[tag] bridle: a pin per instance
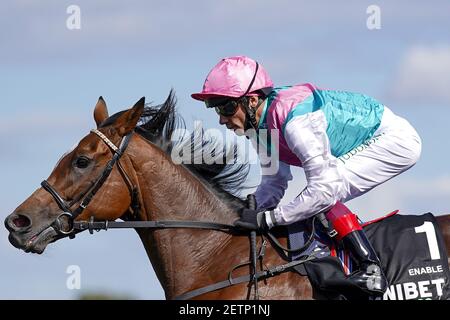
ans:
(89, 194)
(91, 225)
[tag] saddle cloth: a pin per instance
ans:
(411, 249)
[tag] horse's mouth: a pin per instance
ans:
(33, 241)
(36, 243)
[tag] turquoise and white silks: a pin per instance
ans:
(347, 143)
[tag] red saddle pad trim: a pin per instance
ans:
(379, 219)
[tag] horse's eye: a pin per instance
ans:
(82, 162)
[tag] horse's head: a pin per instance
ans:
(40, 219)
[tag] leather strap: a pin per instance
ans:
(105, 174)
(231, 282)
(161, 224)
(62, 204)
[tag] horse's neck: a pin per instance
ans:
(171, 192)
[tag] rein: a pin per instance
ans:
(92, 225)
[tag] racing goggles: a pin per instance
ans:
(224, 106)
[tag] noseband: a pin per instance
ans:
(89, 194)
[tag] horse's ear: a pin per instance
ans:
(100, 111)
(129, 119)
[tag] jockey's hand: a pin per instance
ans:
(251, 220)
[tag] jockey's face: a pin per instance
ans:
(236, 122)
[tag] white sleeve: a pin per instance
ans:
(272, 186)
(306, 137)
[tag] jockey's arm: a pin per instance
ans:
(306, 137)
(272, 186)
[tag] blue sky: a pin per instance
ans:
(51, 77)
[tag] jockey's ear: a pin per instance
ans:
(129, 119)
(100, 111)
(253, 101)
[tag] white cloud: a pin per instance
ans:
(423, 76)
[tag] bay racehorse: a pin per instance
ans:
(124, 169)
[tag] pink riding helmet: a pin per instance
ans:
(231, 78)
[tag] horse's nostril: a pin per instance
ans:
(21, 221)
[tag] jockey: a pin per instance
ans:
(347, 144)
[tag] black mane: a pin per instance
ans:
(157, 125)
